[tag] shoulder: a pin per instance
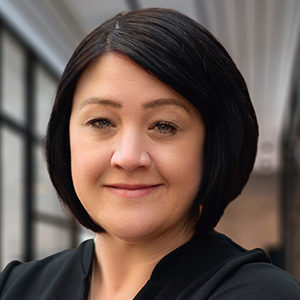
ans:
(251, 275)
(239, 274)
(20, 276)
(257, 281)
(49, 265)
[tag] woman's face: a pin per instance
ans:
(136, 150)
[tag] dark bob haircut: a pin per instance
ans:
(184, 55)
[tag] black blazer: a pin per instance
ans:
(208, 267)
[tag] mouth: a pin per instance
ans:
(131, 190)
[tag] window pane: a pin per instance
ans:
(12, 214)
(12, 78)
(50, 239)
(45, 93)
(46, 198)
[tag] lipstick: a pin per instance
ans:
(131, 190)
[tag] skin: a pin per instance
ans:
(136, 160)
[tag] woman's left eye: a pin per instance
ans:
(164, 127)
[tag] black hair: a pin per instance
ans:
(184, 55)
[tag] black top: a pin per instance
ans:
(208, 267)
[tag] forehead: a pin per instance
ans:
(115, 77)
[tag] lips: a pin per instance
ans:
(131, 190)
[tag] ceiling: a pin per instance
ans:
(262, 36)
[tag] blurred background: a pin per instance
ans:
(36, 39)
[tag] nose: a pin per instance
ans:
(130, 154)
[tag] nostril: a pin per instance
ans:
(145, 159)
(130, 160)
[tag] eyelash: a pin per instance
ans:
(171, 128)
(163, 127)
(95, 123)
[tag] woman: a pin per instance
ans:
(152, 134)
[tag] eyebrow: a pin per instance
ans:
(151, 104)
(166, 101)
(105, 102)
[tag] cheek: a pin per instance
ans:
(87, 161)
(181, 166)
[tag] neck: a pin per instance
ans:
(123, 268)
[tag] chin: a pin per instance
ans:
(133, 231)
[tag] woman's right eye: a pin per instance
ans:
(100, 123)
